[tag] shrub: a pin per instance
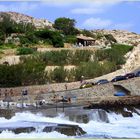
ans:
(110, 38)
(33, 72)
(81, 56)
(25, 51)
(57, 40)
(121, 48)
(99, 35)
(88, 33)
(108, 67)
(55, 57)
(115, 54)
(10, 75)
(71, 39)
(58, 75)
(89, 69)
(66, 57)
(27, 39)
(54, 37)
(8, 46)
(29, 73)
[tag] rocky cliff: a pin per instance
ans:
(22, 18)
(133, 59)
(121, 37)
(101, 36)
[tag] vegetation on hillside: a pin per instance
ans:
(32, 68)
(90, 64)
(8, 26)
(115, 54)
(65, 31)
(25, 51)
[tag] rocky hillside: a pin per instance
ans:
(132, 65)
(21, 18)
(121, 37)
(133, 59)
(103, 38)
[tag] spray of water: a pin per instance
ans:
(116, 127)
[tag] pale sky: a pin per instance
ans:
(89, 14)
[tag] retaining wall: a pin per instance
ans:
(48, 91)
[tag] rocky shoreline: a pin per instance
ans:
(116, 102)
(107, 104)
(120, 105)
(28, 127)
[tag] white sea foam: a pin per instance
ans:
(9, 134)
(29, 117)
(118, 126)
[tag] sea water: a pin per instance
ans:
(116, 127)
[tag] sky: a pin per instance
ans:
(89, 14)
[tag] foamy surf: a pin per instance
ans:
(117, 127)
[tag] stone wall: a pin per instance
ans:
(73, 91)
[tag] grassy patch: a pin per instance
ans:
(7, 46)
(25, 51)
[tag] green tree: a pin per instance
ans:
(66, 25)
(50, 36)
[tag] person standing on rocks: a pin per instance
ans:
(11, 92)
(6, 93)
(69, 100)
(66, 87)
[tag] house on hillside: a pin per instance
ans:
(85, 40)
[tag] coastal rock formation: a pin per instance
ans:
(27, 127)
(133, 59)
(121, 36)
(25, 19)
(125, 106)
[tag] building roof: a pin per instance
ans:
(81, 36)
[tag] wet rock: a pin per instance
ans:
(116, 102)
(19, 130)
(6, 113)
(127, 114)
(103, 116)
(69, 130)
(121, 105)
(23, 130)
